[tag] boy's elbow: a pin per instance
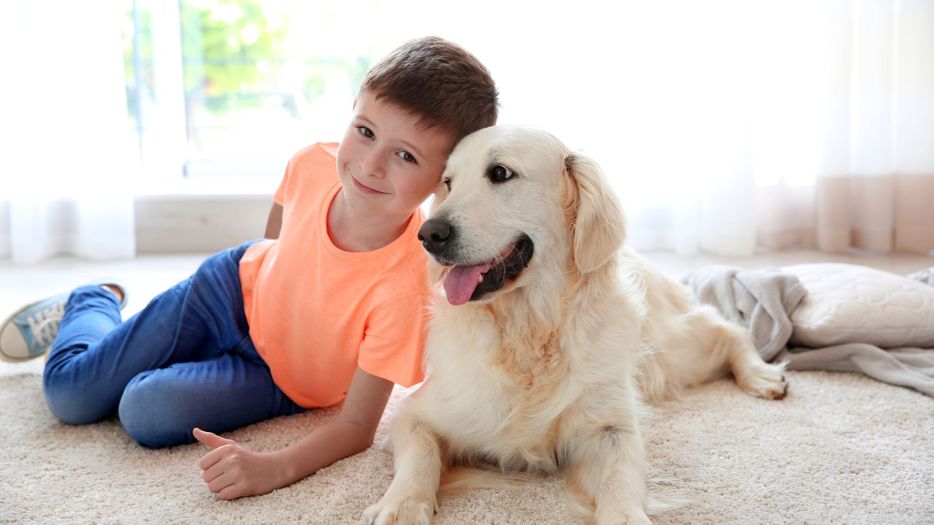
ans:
(365, 443)
(363, 437)
(368, 438)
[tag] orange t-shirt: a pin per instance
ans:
(317, 312)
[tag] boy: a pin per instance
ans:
(329, 307)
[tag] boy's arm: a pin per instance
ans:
(274, 222)
(232, 471)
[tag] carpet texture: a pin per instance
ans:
(840, 448)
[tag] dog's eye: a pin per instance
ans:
(447, 183)
(500, 173)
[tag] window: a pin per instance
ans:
(235, 87)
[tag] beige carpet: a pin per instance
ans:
(839, 449)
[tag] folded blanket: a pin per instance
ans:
(762, 301)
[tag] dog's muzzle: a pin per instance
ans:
(467, 280)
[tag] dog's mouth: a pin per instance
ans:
(469, 282)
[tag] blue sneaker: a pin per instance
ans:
(30, 331)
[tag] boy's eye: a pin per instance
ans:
(406, 156)
(365, 131)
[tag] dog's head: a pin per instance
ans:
(514, 207)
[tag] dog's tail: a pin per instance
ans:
(462, 478)
(660, 506)
(658, 501)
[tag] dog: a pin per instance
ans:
(548, 336)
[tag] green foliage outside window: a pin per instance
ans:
(234, 54)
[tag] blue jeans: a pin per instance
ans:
(184, 361)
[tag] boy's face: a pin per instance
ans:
(388, 163)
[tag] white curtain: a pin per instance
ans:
(867, 131)
(67, 153)
(727, 126)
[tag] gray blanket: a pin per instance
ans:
(762, 301)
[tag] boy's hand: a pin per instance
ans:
(232, 471)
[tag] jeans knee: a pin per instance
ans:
(152, 414)
(74, 403)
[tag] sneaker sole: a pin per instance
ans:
(9, 322)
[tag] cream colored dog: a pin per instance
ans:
(550, 335)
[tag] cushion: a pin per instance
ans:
(855, 304)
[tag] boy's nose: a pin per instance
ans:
(372, 165)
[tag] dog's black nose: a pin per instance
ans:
(435, 235)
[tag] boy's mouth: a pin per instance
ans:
(366, 189)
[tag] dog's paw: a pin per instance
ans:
(622, 517)
(765, 381)
(403, 512)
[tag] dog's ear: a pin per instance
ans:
(594, 215)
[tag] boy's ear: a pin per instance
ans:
(595, 218)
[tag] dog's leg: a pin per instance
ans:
(608, 464)
(753, 375)
(412, 495)
(711, 346)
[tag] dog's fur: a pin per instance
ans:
(548, 372)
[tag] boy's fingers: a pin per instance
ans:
(219, 483)
(210, 439)
(208, 460)
(231, 492)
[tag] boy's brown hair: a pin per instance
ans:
(438, 81)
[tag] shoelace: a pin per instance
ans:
(44, 324)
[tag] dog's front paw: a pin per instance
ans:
(402, 511)
(621, 517)
(765, 381)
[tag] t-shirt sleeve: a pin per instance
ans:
(279, 196)
(394, 340)
(306, 162)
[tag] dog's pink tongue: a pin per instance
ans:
(461, 281)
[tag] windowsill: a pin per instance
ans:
(201, 213)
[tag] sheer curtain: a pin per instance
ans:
(725, 126)
(872, 133)
(729, 126)
(67, 159)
